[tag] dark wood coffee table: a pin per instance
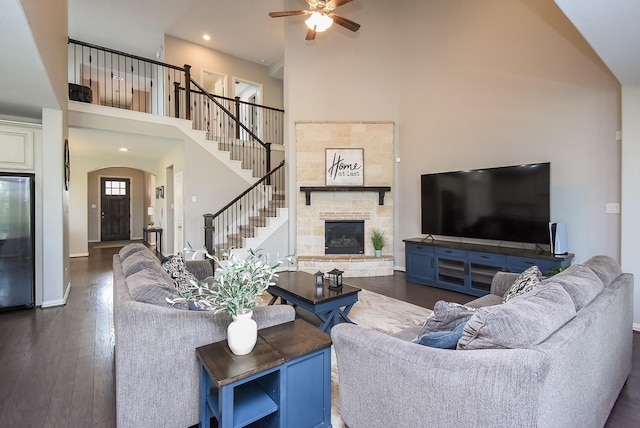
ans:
(284, 382)
(299, 288)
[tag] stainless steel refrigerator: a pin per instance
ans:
(17, 241)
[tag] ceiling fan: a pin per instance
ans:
(321, 16)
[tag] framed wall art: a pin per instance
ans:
(344, 167)
(66, 165)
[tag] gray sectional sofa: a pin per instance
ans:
(556, 356)
(156, 371)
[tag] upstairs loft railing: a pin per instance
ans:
(112, 78)
(239, 218)
(117, 79)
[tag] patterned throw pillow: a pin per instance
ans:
(179, 273)
(524, 283)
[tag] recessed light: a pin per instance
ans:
(206, 37)
(123, 149)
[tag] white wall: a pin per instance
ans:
(55, 209)
(471, 84)
(631, 190)
(208, 181)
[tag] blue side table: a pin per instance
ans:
(284, 382)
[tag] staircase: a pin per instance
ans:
(248, 220)
(163, 89)
(249, 230)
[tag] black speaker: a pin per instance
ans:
(80, 93)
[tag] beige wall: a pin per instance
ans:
(471, 85)
(180, 52)
(48, 22)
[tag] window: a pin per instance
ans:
(115, 188)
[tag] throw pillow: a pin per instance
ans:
(524, 283)
(442, 339)
(177, 269)
(446, 316)
(526, 321)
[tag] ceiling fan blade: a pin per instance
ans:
(346, 23)
(287, 13)
(311, 34)
(337, 3)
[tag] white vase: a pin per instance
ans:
(242, 334)
(378, 253)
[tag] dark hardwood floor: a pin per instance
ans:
(56, 365)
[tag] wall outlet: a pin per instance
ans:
(613, 208)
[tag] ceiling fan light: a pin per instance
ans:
(318, 22)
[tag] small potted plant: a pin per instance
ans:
(377, 238)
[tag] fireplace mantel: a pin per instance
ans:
(381, 190)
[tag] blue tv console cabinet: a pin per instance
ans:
(468, 268)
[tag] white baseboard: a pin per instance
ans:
(399, 268)
(57, 302)
(636, 326)
(79, 255)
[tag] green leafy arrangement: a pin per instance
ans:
(237, 285)
(377, 238)
(555, 270)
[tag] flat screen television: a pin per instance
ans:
(509, 203)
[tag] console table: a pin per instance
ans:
(157, 231)
(284, 382)
(469, 268)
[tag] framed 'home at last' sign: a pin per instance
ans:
(344, 167)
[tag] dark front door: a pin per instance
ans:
(115, 222)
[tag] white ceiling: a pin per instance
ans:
(242, 28)
(612, 28)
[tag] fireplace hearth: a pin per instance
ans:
(344, 237)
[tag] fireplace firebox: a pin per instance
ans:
(344, 237)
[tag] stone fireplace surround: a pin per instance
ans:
(312, 139)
